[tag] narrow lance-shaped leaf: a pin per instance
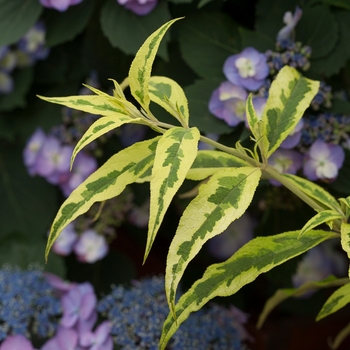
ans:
(256, 126)
(106, 182)
(209, 162)
(256, 257)
(345, 238)
(101, 127)
(175, 153)
(335, 302)
(223, 199)
(93, 104)
(340, 337)
(283, 294)
(289, 96)
(322, 217)
(314, 191)
(169, 94)
(141, 66)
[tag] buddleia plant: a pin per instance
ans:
(231, 176)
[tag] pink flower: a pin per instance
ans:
(16, 342)
(91, 247)
(65, 339)
(98, 340)
(79, 308)
(60, 5)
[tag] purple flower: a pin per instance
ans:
(139, 7)
(65, 241)
(139, 216)
(60, 286)
(65, 339)
(98, 340)
(247, 69)
(91, 247)
(323, 160)
(79, 305)
(32, 150)
(60, 5)
(294, 137)
(53, 160)
(234, 237)
(227, 102)
(285, 161)
(16, 342)
(84, 165)
(318, 263)
(6, 83)
(291, 21)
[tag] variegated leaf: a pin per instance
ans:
(169, 94)
(175, 153)
(141, 66)
(345, 238)
(345, 205)
(94, 104)
(335, 302)
(289, 96)
(223, 199)
(256, 257)
(324, 198)
(105, 183)
(256, 126)
(209, 162)
(322, 217)
(283, 294)
(100, 127)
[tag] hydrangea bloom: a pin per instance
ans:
(98, 340)
(291, 21)
(139, 7)
(227, 102)
(247, 69)
(65, 241)
(318, 263)
(79, 308)
(65, 339)
(53, 160)
(235, 236)
(294, 137)
(84, 165)
(136, 318)
(32, 150)
(28, 304)
(91, 247)
(323, 160)
(16, 342)
(60, 5)
(285, 161)
(31, 47)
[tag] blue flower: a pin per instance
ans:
(136, 317)
(247, 69)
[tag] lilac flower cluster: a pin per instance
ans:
(316, 144)
(46, 156)
(136, 316)
(89, 246)
(29, 49)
